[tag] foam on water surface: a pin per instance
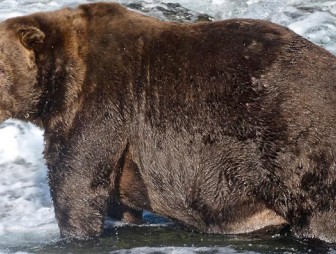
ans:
(26, 212)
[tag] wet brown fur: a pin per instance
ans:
(225, 127)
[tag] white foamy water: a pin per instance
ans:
(26, 211)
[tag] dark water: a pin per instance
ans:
(160, 236)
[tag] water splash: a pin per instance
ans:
(26, 212)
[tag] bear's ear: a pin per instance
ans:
(31, 37)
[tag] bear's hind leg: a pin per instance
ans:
(119, 211)
(322, 225)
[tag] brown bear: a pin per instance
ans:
(224, 127)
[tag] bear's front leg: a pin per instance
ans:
(81, 181)
(80, 207)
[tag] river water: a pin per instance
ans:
(27, 223)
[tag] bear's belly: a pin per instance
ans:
(264, 219)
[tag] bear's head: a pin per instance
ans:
(41, 66)
(19, 91)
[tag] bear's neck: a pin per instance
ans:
(62, 71)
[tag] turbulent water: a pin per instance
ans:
(27, 223)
